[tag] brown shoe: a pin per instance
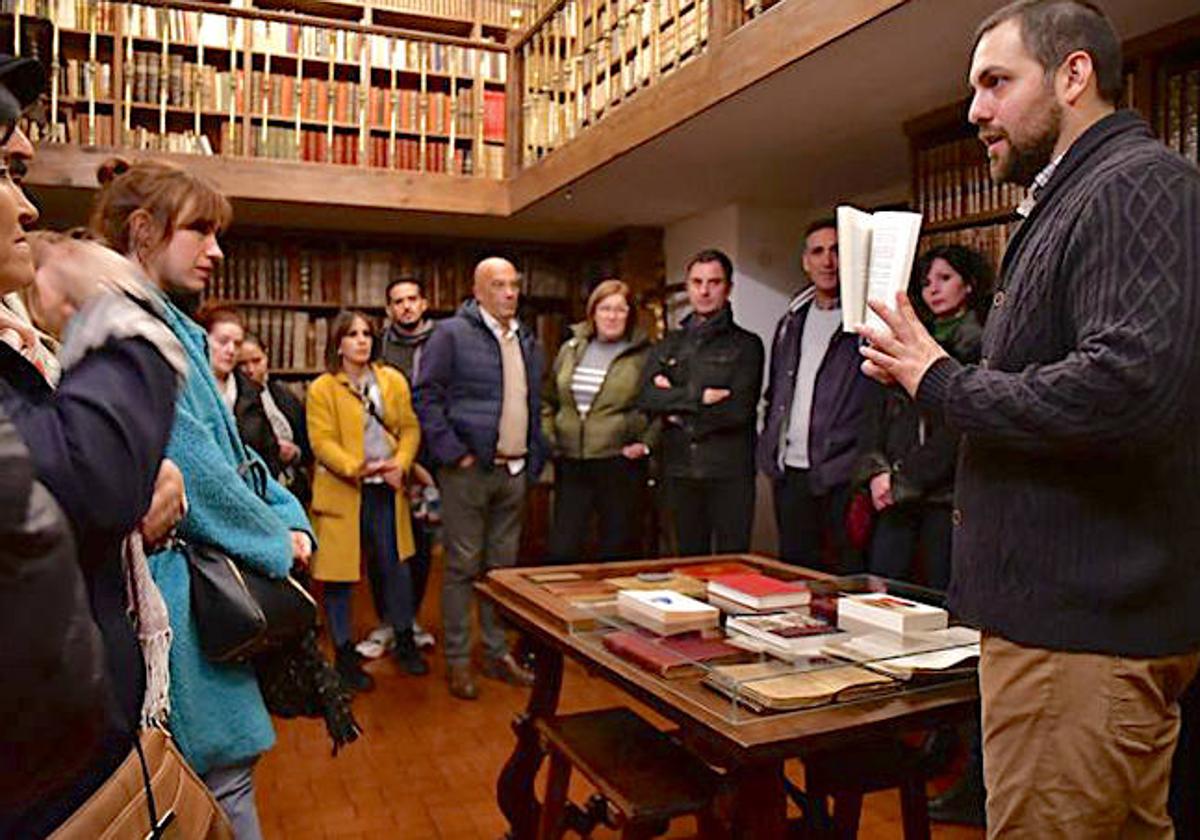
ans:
(462, 684)
(507, 670)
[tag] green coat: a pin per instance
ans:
(613, 421)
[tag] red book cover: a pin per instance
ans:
(670, 657)
(759, 591)
(494, 107)
(707, 571)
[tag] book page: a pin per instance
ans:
(854, 248)
(893, 246)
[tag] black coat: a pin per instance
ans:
(96, 444)
(298, 478)
(56, 700)
(915, 446)
(254, 428)
(706, 441)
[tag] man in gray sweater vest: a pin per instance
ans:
(1077, 503)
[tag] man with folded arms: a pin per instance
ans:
(1078, 496)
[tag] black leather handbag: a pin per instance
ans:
(239, 612)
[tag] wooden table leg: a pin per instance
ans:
(514, 789)
(759, 801)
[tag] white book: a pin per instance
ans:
(875, 259)
(665, 612)
(665, 604)
(951, 649)
(889, 612)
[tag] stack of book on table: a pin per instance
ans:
(778, 686)
(671, 657)
(666, 612)
(876, 611)
(937, 654)
(784, 634)
(752, 592)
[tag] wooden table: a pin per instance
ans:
(750, 747)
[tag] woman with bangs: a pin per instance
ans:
(167, 221)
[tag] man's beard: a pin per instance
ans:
(410, 325)
(1027, 159)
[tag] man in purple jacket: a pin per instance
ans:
(814, 399)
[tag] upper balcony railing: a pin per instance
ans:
(582, 59)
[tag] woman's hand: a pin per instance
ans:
(881, 491)
(633, 451)
(301, 548)
(394, 478)
(167, 506)
(288, 451)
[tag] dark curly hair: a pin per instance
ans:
(975, 269)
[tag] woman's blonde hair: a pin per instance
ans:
(607, 288)
(175, 199)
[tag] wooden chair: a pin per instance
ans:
(847, 775)
(644, 777)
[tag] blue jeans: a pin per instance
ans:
(377, 524)
(233, 788)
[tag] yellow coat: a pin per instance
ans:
(335, 429)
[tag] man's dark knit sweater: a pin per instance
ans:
(1078, 494)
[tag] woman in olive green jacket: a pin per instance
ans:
(599, 439)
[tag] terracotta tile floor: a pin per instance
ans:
(427, 764)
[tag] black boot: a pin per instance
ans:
(408, 655)
(964, 802)
(349, 668)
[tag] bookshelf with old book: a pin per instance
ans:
(289, 287)
(950, 182)
(273, 81)
(585, 57)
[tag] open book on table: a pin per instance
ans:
(875, 259)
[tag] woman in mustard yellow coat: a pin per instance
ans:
(365, 436)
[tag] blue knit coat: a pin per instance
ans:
(217, 713)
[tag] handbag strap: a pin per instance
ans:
(157, 828)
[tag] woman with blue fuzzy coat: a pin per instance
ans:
(167, 220)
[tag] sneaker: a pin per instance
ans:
(378, 642)
(423, 637)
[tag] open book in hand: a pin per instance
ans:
(875, 258)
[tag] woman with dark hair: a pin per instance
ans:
(243, 396)
(365, 437)
(907, 458)
(167, 221)
(285, 414)
(599, 438)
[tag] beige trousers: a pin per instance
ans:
(1078, 745)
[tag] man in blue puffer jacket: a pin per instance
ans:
(477, 398)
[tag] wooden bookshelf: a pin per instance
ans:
(282, 79)
(950, 183)
(289, 287)
(583, 58)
